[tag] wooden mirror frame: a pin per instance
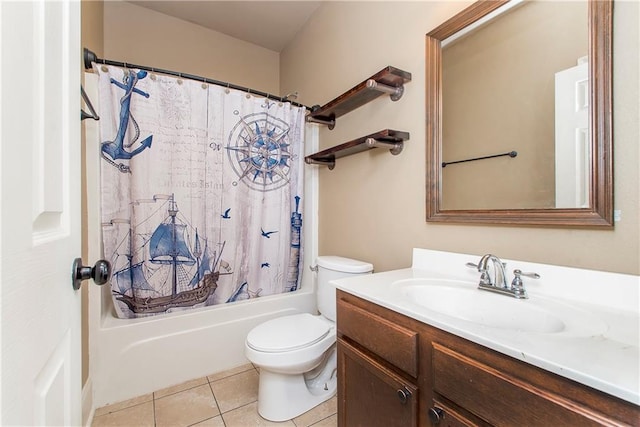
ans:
(600, 211)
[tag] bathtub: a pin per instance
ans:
(132, 357)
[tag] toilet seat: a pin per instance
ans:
(288, 333)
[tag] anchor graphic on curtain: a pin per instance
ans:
(116, 149)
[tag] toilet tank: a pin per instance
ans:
(331, 268)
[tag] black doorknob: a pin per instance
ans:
(100, 272)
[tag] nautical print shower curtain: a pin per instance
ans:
(201, 192)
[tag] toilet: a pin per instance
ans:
(296, 354)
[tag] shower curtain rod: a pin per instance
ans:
(90, 57)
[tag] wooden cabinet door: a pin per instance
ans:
(370, 394)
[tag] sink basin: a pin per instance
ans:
(463, 301)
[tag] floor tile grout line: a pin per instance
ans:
(153, 394)
(232, 375)
(207, 419)
(180, 391)
(153, 403)
(217, 405)
(122, 409)
(238, 407)
(320, 420)
(187, 389)
(221, 414)
(206, 377)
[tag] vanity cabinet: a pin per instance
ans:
(377, 368)
(384, 398)
(396, 371)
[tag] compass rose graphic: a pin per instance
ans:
(259, 151)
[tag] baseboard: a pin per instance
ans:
(87, 403)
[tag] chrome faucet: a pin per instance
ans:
(497, 282)
(499, 278)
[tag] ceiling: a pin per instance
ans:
(270, 24)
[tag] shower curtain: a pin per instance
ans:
(201, 192)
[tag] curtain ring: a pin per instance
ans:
(227, 90)
(248, 93)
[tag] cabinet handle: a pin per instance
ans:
(436, 415)
(404, 394)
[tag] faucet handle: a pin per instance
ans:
(485, 279)
(519, 273)
(517, 287)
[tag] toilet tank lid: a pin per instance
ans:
(345, 265)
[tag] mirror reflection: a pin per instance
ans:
(562, 174)
(518, 83)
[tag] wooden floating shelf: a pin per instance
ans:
(389, 80)
(391, 139)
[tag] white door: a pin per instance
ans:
(39, 211)
(572, 137)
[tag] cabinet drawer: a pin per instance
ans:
(443, 415)
(394, 343)
(376, 396)
(500, 398)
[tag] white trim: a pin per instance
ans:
(88, 411)
(480, 22)
(312, 138)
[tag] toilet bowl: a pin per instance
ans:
(296, 354)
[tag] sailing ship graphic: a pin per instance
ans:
(168, 269)
(113, 151)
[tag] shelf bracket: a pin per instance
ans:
(328, 163)
(395, 92)
(331, 123)
(394, 147)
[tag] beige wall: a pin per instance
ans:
(142, 36)
(372, 205)
(499, 96)
(92, 38)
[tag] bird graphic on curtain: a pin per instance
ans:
(267, 234)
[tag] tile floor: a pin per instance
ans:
(227, 399)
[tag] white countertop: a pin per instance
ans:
(608, 360)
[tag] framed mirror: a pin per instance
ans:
(488, 161)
